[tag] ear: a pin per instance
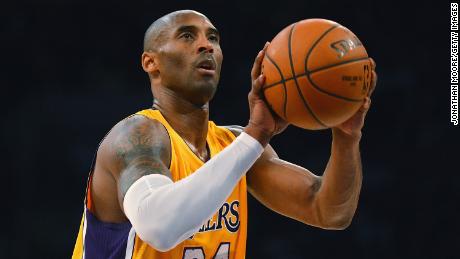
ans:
(149, 62)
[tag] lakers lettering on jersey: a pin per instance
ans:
(222, 236)
(222, 220)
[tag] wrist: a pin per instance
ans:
(347, 140)
(262, 136)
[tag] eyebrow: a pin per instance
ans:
(193, 28)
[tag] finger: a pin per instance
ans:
(373, 82)
(367, 103)
(255, 72)
(365, 106)
(266, 46)
(256, 67)
(373, 64)
(257, 85)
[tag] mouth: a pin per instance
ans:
(207, 65)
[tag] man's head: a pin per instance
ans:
(182, 54)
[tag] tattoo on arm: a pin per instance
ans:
(141, 150)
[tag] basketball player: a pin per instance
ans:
(169, 183)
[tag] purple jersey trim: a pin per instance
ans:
(105, 240)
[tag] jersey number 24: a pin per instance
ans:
(198, 253)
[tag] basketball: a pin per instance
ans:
(317, 74)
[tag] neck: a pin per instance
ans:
(190, 121)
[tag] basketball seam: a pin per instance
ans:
(308, 73)
(282, 80)
(316, 43)
(295, 79)
(336, 65)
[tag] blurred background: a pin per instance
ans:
(71, 69)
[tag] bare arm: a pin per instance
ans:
(327, 201)
(141, 148)
(135, 147)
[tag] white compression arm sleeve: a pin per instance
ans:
(164, 213)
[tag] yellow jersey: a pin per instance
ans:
(222, 236)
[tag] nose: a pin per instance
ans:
(205, 45)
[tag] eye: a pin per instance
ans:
(187, 36)
(213, 38)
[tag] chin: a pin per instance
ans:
(205, 92)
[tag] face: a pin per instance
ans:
(190, 59)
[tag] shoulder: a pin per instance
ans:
(138, 124)
(132, 135)
(138, 129)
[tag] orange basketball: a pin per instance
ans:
(317, 74)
